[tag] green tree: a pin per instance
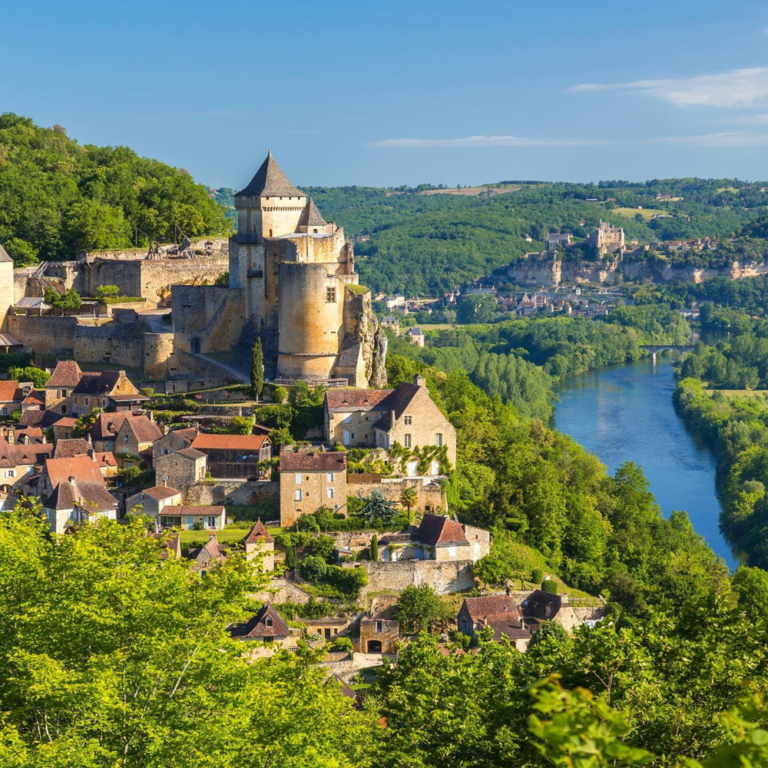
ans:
(62, 302)
(409, 498)
(377, 510)
(374, 547)
(257, 369)
(420, 609)
(105, 291)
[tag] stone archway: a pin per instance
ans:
(374, 646)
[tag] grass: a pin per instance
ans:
(646, 213)
(760, 393)
(227, 536)
(359, 289)
(434, 326)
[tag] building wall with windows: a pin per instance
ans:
(302, 493)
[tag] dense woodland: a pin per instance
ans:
(58, 198)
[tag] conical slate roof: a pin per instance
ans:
(311, 217)
(270, 181)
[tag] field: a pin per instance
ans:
(758, 393)
(646, 213)
(473, 191)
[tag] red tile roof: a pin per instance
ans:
(210, 442)
(10, 392)
(190, 453)
(105, 459)
(83, 468)
(309, 461)
(107, 425)
(439, 531)
(181, 510)
(257, 626)
(258, 534)
(493, 605)
(19, 454)
(160, 492)
(66, 449)
(66, 374)
(144, 429)
(347, 399)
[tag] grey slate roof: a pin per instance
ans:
(311, 217)
(270, 181)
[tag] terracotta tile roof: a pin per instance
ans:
(504, 625)
(349, 399)
(161, 492)
(66, 449)
(83, 468)
(10, 392)
(197, 511)
(35, 434)
(258, 534)
(33, 398)
(42, 419)
(480, 607)
(144, 429)
(209, 442)
(309, 461)
(66, 421)
(92, 497)
(17, 455)
(105, 459)
(66, 374)
(190, 453)
(257, 627)
(107, 425)
(270, 181)
(211, 550)
(439, 531)
(132, 398)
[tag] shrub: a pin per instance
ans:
(341, 644)
(147, 391)
(104, 291)
(37, 376)
(548, 630)
(279, 394)
(313, 568)
(321, 546)
(198, 525)
(550, 585)
(537, 575)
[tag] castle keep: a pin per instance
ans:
(292, 283)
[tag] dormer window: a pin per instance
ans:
(268, 621)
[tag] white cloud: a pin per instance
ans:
(721, 139)
(490, 141)
(737, 88)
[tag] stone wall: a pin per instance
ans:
(239, 492)
(430, 497)
(209, 317)
(281, 591)
(47, 334)
(444, 577)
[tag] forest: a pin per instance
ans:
(518, 360)
(58, 198)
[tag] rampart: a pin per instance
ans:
(445, 577)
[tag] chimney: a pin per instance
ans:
(11, 435)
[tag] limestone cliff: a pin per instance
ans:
(361, 325)
(548, 271)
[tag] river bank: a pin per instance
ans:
(625, 413)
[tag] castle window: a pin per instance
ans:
(330, 294)
(407, 440)
(408, 420)
(298, 478)
(297, 495)
(379, 626)
(439, 439)
(329, 477)
(329, 492)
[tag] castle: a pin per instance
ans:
(292, 283)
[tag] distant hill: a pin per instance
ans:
(58, 198)
(427, 240)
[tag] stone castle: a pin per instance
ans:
(292, 283)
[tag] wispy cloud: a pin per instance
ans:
(720, 139)
(491, 141)
(737, 88)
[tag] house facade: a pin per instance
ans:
(310, 480)
(234, 456)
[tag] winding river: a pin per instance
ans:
(625, 413)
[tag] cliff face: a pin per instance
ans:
(362, 325)
(549, 272)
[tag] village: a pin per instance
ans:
(144, 411)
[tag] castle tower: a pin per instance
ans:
(6, 287)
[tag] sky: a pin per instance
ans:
(389, 93)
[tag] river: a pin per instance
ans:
(625, 413)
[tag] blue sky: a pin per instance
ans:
(389, 93)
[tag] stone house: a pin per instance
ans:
(437, 538)
(185, 517)
(20, 466)
(175, 440)
(328, 627)
(152, 501)
(379, 418)
(73, 491)
(11, 397)
(499, 612)
(234, 456)
(63, 427)
(379, 631)
(134, 440)
(267, 626)
(208, 556)
(34, 401)
(71, 391)
(181, 469)
(259, 543)
(310, 480)
(105, 429)
(415, 336)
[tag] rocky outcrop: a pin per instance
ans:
(548, 271)
(363, 326)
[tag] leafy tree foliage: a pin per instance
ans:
(420, 609)
(58, 198)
